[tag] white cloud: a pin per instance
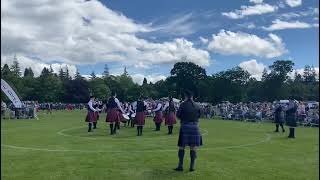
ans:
(229, 43)
(256, 69)
(138, 78)
(257, 9)
(256, 1)
(85, 32)
(280, 25)
(300, 71)
(203, 40)
(293, 3)
(253, 67)
(180, 25)
(37, 65)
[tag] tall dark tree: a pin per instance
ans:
(187, 75)
(105, 71)
(15, 67)
(274, 86)
(78, 75)
(93, 75)
(51, 70)
(45, 72)
(28, 72)
(61, 74)
(145, 82)
(6, 70)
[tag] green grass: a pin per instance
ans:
(232, 150)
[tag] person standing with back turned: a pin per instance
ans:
(189, 135)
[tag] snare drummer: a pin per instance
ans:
(158, 115)
(113, 116)
(140, 114)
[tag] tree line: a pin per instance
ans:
(234, 85)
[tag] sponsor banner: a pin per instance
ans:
(5, 87)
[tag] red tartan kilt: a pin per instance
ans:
(140, 118)
(158, 117)
(170, 119)
(97, 115)
(113, 115)
(91, 117)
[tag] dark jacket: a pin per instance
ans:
(188, 111)
(291, 116)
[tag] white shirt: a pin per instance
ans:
(90, 103)
(118, 104)
(135, 105)
(158, 107)
(165, 106)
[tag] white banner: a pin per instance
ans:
(11, 94)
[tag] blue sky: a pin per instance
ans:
(302, 44)
(150, 36)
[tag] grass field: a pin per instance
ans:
(58, 146)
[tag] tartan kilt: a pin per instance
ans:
(140, 118)
(158, 117)
(291, 121)
(91, 117)
(97, 115)
(112, 115)
(279, 119)
(170, 119)
(189, 135)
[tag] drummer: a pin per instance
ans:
(130, 112)
(140, 115)
(158, 115)
(113, 116)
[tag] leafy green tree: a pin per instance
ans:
(187, 75)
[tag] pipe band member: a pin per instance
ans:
(140, 115)
(158, 116)
(91, 115)
(189, 135)
(131, 119)
(96, 105)
(170, 115)
(113, 115)
(291, 117)
(279, 117)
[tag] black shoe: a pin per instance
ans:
(178, 169)
(276, 131)
(191, 169)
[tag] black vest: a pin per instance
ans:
(112, 103)
(140, 106)
(171, 107)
